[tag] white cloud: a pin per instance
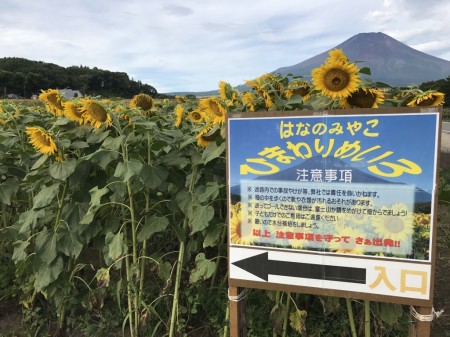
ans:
(179, 46)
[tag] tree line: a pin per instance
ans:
(442, 85)
(26, 78)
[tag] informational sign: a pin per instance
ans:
(334, 202)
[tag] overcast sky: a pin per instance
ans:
(177, 45)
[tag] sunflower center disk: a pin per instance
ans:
(336, 79)
(98, 113)
(41, 139)
(362, 100)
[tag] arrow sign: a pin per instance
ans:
(260, 266)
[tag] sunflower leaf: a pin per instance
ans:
(62, 170)
(153, 176)
(199, 217)
(153, 224)
(128, 169)
(116, 248)
(70, 242)
(46, 274)
(203, 270)
(213, 151)
(39, 162)
(113, 144)
(45, 196)
(365, 71)
(46, 242)
(8, 190)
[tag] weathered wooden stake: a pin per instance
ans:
(421, 328)
(237, 312)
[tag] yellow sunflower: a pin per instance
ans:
(72, 111)
(242, 235)
(95, 114)
(143, 101)
(344, 241)
(179, 111)
(225, 90)
(397, 222)
(180, 99)
(207, 135)
(363, 98)
(213, 108)
(227, 93)
(249, 100)
(196, 116)
(428, 98)
(336, 79)
(41, 140)
(268, 86)
(337, 55)
(422, 220)
(301, 88)
(53, 101)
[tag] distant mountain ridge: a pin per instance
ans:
(389, 60)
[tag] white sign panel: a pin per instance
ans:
(371, 276)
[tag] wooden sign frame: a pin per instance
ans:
(262, 262)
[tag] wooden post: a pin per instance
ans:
(421, 328)
(237, 312)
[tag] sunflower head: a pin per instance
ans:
(53, 101)
(207, 135)
(301, 88)
(227, 93)
(72, 111)
(249, 100)
(143, 101)
(427, 98)
(363, 98)
(213, 109)
(196, 116)
(180, 99)
(41, 140)
(179, 111)
(336, 79)
(95, 114)
(337, 55)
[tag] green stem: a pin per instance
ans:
(367, 318)
(147, 209)
(129, 292)
(277, 300)
(350, 317)
(180, 262)
(213, 278)
(136, 296)
(286, 314)
(62, 309)
(227, 318)
(177, 287)
(4, 219)
(61, 204)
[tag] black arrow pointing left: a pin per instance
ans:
(260, 266)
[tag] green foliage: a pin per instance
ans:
(125, 231)
(442, 85)
(25, 78)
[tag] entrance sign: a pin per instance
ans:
(336, 203)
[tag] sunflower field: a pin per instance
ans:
(114, 212)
